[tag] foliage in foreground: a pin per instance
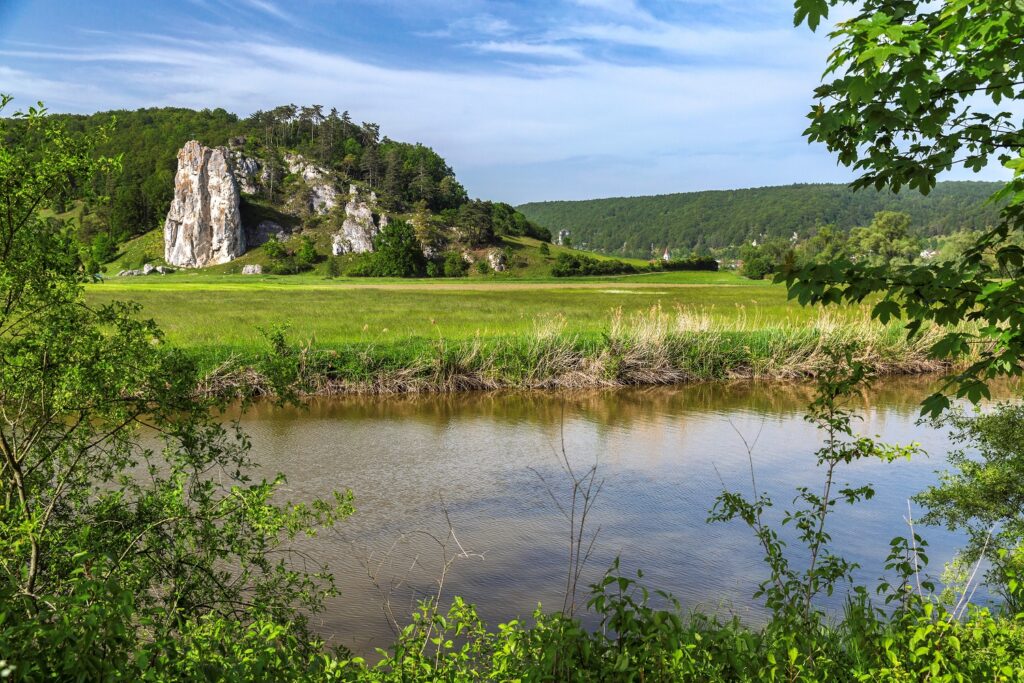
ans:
(128, 514)
(908, 633)
(912, 89)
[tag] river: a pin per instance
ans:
(663, 454)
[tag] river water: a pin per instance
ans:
(492, 461)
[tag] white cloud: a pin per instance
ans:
(627, 7)
(480, 24)
(529, 49)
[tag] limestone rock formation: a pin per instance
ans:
(497, 261)
(322, 195)
(362, 223)
(203, 225)
(147, 269)
(252, 269)
(248, 172)
(297, 164)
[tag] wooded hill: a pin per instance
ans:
(700, 221)
(407, 177)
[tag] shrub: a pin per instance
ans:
(571, 265)
(693, 263)
(398, 253)
(455, 265)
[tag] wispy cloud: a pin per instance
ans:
(481, 24)
(529, 49)
(268, 7)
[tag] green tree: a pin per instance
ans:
(397, 252)
(761, 260)
(455, 265)
(103, 248)
(109, 546)
(826, 245)
(475, 224)
(914, 88)
(306, 255)
(886, 242)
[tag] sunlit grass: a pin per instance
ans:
(226, 311)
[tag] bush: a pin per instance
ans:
(572, 265)
(306, 255)
(397, 254)
(693, 263)
(757, 268)
(455, 265)
(333, 267)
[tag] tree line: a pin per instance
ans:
(702, 221)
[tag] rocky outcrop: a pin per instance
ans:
(249, 173)
(497, 261)
(147, 269)
(252, 269)
(203, 225)
(322, 195)
(362, 223)
(298, 165)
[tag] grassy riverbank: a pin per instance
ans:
(360, 336)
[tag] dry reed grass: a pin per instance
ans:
(648, 348)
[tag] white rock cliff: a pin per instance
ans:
(203, 225)
(361, 225)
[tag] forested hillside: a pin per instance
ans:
(135, 200)
(705, 220)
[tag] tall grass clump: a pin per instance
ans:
(650, 347)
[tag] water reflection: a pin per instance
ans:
(664, 454)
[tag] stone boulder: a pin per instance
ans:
(362, 224)
(252, 269)
(203, 225)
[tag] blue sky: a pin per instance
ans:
(529, 100)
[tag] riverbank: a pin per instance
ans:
(370, 337)
(652, 347)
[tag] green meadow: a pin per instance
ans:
(226, 311)
(356, 335)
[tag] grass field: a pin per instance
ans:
(382, 336)
(207, 311)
